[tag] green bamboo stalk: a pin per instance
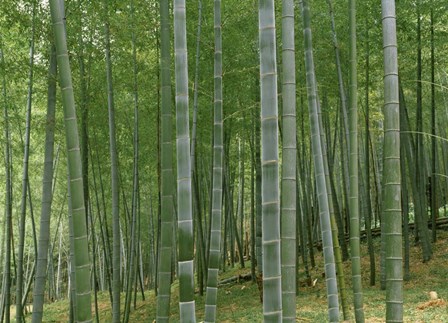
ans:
(391, 169)
(420, 174)
(289, 156)
(241, 196)
(345, 120)
(21, 246)
(116, 263)
(71, 269)
(6, 287)
(166, 240)
(194, 173)
(353, 169)
(184, 198)
(330, 271)
(103, 225)
(135, 198)
(258, 218)
(270, 197)
(81, 253)
(302, 209)
(334, 229)
(196, 87)
(257, 157)
(253, 259)
(216, 204)
(407, 151)
(94, 264)
(84, 110)
(305, 185)
(434, 202)
(47, 194)
(368, 213)
(404, 185)
(83, 104)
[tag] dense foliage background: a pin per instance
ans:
(85, 34)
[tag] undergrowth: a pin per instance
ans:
(240, 302)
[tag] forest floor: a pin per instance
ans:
(240, 301)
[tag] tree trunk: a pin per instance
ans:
(433, 183)
(6, 287)
(330, 271)
(353, 167)
(289, 166)
(21, 246)
(135, 196)
(270, 197)
(391, 170)
(116, 264)
(368, 213)
(76, 202)
(184, 197)
(47, 194)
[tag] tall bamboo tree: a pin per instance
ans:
(215, 232)
(6, 287)
(421, 216)
(353, 167)
(116, 252)
(289, 155)
(391, 168)
(330, 271)
(166, 230)
(257, 162)
(331, 208)
(404, 140)
(368, 206)
(434, 204)
(184, 198)
(21, 246)
(47, 195)
(272, 288)
(197, 211)
(253, 259)
(135, 196)
(258, 217)
(345, 153)
(81, 253)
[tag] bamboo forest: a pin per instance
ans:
(224, 161)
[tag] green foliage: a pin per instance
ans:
(85, 20)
